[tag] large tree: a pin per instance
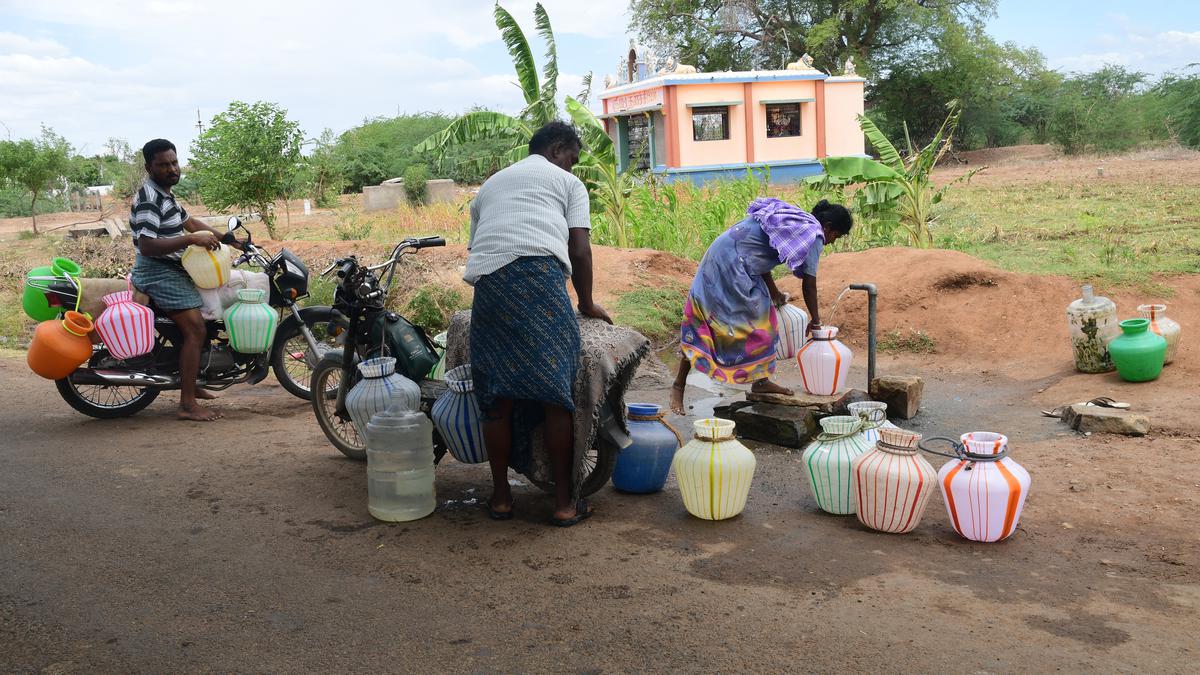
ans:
(767, 34)
(37, 165)
(248, 158)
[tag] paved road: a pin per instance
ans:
(148, 544)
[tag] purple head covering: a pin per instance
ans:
(791, 231)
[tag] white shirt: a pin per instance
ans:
(525, 210)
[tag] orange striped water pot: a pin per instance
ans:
(984, 489)
(892, 483)
(60, 346)
(824, 363)
(714, 471)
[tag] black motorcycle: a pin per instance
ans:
(365, 329)
(107, 387)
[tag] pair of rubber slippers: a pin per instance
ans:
(1099, 402)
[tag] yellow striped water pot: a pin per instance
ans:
(714, 471)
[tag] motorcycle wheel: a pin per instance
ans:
(598, 466)
(105, 402)
(289, 358)
(327, 377)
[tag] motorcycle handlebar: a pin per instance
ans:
(426, 242)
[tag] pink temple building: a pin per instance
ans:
(703, 126)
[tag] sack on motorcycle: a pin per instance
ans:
(408, 344)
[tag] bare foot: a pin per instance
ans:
(198, 413)
(677, 399)
(205, 394)
(769, 387)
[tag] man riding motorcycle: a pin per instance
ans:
(162, 230)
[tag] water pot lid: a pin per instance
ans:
(644, 409)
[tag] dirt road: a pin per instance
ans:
(148, 544)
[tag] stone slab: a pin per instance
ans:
(901, 393)
(789, 426)
(830, 405)
(1098, 420)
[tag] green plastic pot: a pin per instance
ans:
(33, 300)
(1139, 352)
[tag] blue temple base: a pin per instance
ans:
(776, 172)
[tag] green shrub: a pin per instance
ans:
(432, 305)
(653, 312)
(351, 229)
(415, 177)
(912, 341)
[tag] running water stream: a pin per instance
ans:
(833, 310)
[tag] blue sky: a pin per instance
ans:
(138, 69)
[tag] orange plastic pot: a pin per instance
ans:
(59, 347)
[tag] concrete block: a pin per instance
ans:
(440, 191)
(385, 197)
(789, 426)
(1097, 420)
(901, 393)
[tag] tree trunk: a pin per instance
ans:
(33, 211)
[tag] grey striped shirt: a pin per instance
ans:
(525, 210)
(156, 215)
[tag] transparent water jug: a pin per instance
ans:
(1093, 322)
(400, 464)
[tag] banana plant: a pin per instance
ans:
(540, 97)
(895, 191)
(608, 187)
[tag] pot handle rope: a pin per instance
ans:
(826, 436)
(661, 418)
(960, 451)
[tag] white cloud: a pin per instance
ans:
(141, 68)
(11, 43)
(1141, 49)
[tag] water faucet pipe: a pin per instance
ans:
(872, 295)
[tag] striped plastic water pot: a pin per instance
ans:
(379, 385)
(714, 471)
(207, 268)
(125, 327)
(827, 462)
(892, 484)
(874, 415)
(792, 323)
(251, 323)
(457, 418)
(984, 498)
(824, 363)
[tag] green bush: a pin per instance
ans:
(653, 312)
(415, 177)
(432, 305)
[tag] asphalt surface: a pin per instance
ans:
(152, 545)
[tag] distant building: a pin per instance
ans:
(683, 124)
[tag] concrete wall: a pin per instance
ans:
(705, 153)
(389, 195)
(803, 146)
(843, 102)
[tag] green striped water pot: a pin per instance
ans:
(251, 322)
(827, 462)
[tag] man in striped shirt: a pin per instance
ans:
(162, 229)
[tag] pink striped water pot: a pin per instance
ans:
(892, 483)
(984, 489)
(126, 327)
(824, 363)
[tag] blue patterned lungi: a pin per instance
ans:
(166, 282)
(524, 335)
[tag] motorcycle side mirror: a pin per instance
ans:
(234, 223)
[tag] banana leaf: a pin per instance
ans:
(858, 169)
(887, 152)
(474, 126)
(522, 56)
(550, 69)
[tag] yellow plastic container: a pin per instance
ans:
(714, 471)
(207, 268)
